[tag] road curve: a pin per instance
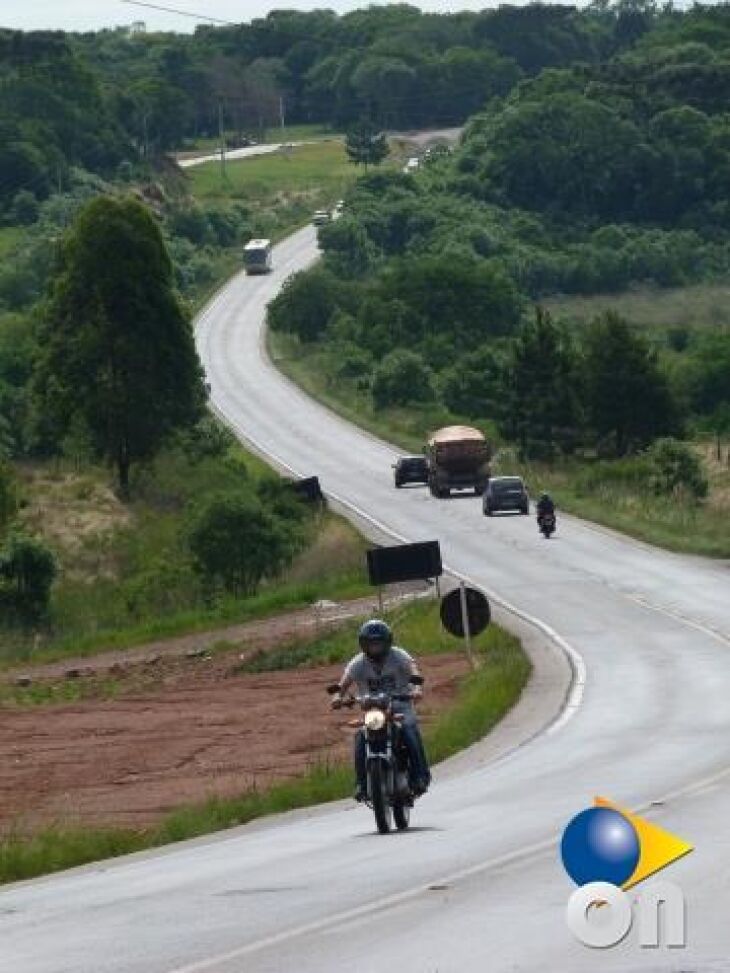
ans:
(477, 885)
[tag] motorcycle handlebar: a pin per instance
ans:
(351, 701)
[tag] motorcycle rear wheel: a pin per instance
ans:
(379, 795)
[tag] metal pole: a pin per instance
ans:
(281, 118)
(222, 141)
(465, 624)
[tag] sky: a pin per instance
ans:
(95, 14)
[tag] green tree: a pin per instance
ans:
(117, 349)
(27, 572)
(8, 498)
(24, 209)
(366, 145)
(541, 405)
(401, 378)
(305, 304)
(473, 386)
(628, 398)
(235, 542)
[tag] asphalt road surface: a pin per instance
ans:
(232, 155)
(477, 884)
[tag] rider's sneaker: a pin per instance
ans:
(361, 794)
(420, 787)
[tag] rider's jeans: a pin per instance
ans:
(416, 753)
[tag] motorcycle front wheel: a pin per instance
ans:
(402, 815)
(379, 795)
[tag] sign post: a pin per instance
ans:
(465, 612)
(465, 624)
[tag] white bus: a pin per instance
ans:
(257, 257)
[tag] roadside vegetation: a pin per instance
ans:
(128, 573)
(483, 698)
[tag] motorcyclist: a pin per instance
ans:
(545, 506)
(381, 666)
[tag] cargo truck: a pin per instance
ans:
(458, 459)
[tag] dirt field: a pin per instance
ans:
(180, 730)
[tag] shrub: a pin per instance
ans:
(304, 305)
(24, 209)
(191, 223)
(402, 377)
(676, 469)
(207, 438)
(8, 500)
(27, 572)
(236, 542)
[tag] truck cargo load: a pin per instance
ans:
(458, 458)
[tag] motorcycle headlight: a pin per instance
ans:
(374, 719)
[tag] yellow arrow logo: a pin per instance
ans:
(659, 848)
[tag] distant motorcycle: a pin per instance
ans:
(546, 524)
(389, 793)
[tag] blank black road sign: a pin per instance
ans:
(405, 562)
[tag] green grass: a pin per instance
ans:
(483, 699)
(10, 239)
(58, 693)
(673, 523)
(696, 306)
(315, 173)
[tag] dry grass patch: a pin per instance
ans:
(75, 513)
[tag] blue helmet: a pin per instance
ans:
(375, 638)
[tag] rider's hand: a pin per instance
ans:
(416, 693)
(336, 702)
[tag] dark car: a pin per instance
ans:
(505, 493)
(411, 469)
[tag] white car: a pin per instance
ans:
(321, 217)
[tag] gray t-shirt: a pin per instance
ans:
(390, 677)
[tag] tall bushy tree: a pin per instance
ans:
(541, 402)
(117, 349)
(628, 397)
(366, 145)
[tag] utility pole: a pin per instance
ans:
(281, 118)
(221, 136)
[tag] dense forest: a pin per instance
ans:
(107, 100)
(583, 179)
(596, 157)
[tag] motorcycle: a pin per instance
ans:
(389, 793)
(546, 524)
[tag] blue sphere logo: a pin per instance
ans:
(600, 845)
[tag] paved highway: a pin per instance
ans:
(477, 884)
(232, 155)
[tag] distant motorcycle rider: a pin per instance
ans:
(545, 506)
(381, 666)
